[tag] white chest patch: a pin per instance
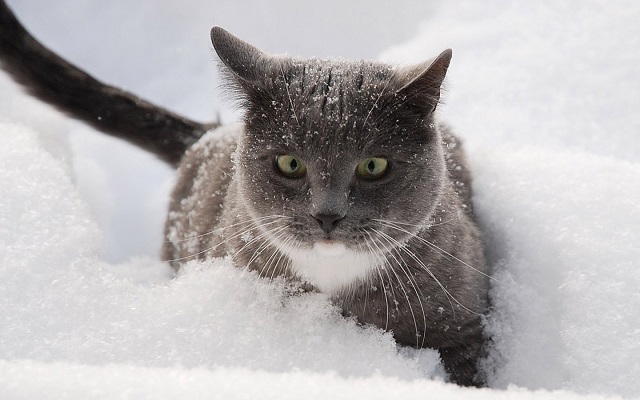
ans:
(330, 266)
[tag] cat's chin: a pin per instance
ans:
(330, 248)
(330, 265)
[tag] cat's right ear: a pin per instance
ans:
(422, 84)
(242, 59)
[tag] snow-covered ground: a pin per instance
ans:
(546, 95)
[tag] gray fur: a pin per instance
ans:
(429, 285)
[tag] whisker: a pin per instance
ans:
(384, 289)
(296, 246)
(271, 266)
(367, 287)
(446, 221)
(269, 263)
(258, 237)
(252, 220)
(254, 225)
(375, 104)
(210, 161)
(282, 254)
(422, 225)
(423, 266)
(286, 86)
(406, 295)
(442, 251)
(264, 245)
(278, 232)
(412, 280)
(264, 271)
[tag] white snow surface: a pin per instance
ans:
(545, 95)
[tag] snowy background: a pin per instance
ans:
(546, 95)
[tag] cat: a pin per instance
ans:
(339, 177)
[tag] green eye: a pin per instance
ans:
(373, 168)
(290, 166)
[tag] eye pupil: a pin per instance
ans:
(290, 166)
(371, 166)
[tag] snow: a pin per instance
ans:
(567, 312)
(545, 96)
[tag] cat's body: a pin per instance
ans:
(407, 301)
(339, 178)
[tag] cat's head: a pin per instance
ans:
(335, 147)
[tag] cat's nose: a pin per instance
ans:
(327, 221)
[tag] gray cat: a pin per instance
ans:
(339, 178)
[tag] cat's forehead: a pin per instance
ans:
(318, 103)
(334, 88)
(351, 75)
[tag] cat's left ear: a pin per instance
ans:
(242, 59)
(422, 83)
